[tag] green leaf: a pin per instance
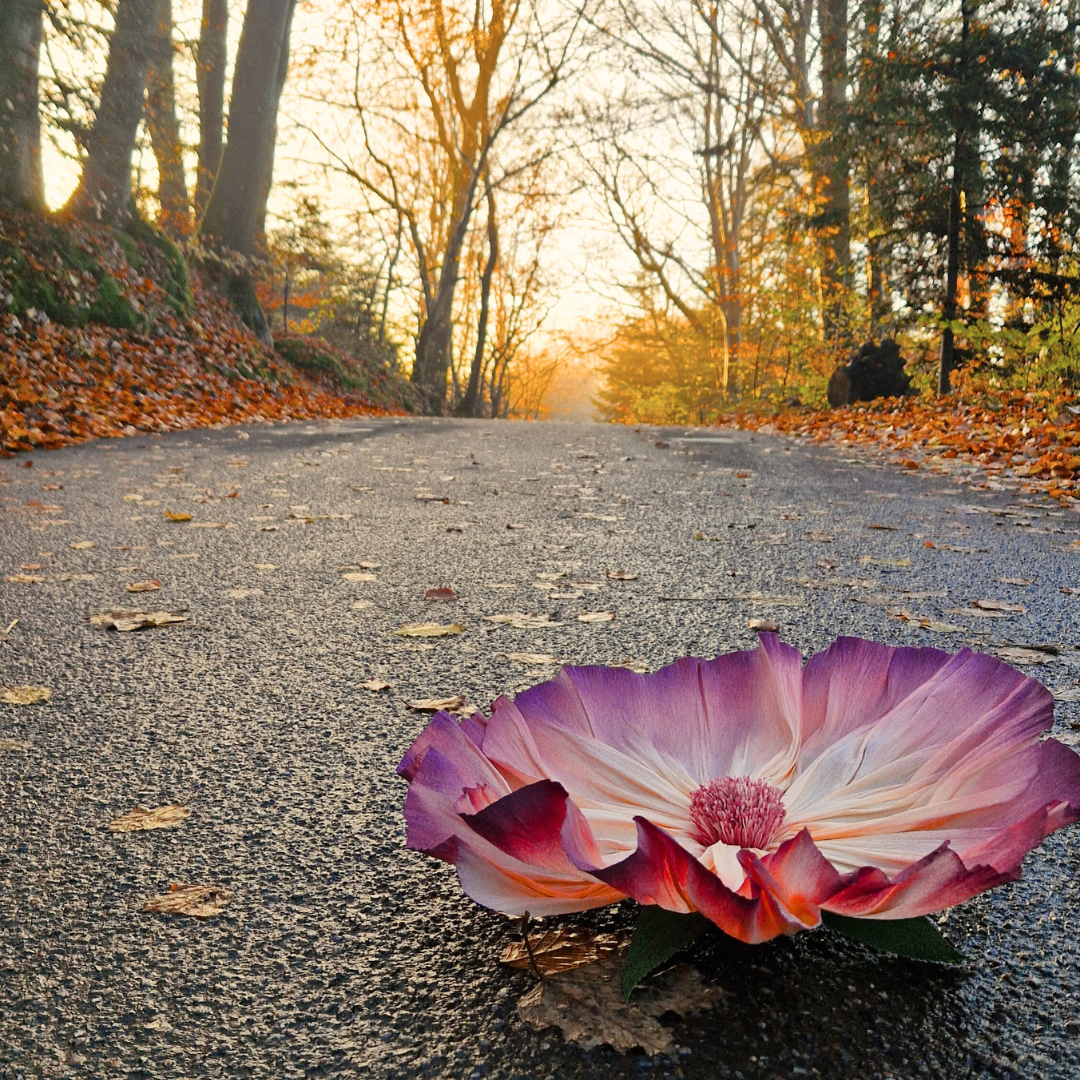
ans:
(915, 939)
(659, 935)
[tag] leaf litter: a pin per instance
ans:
(586, 1003)
(561, 949)
(25, 695)
(429, 629)
(376, 686)
(135, 620)
(198, 901)
(142, 819)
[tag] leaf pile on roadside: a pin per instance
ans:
(198, 901)
(135, 620)
(142, 820)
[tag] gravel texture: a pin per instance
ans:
(343, 954)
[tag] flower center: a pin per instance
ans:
(737, 810)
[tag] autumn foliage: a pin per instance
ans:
(100, 339)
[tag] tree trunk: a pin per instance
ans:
(834, 168)
(104, 191)
(210, 76)
(432, 365)
(232, 214)
(164, 126)
(20, 125)
(268, 164)
(470, 403)
(947, 359)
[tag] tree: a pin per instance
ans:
(20, 126)
(164, 127)
(477, 73)
(211, 59)
(237, 203)
(104, 190)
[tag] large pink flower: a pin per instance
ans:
(875, 782)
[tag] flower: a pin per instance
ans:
(874, 782)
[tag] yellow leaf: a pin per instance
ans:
(429, 629)
(172, 515)
(141, 819)
(144, 586)
(25, 695)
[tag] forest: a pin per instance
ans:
(702, 206)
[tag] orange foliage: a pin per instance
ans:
(1033, 437)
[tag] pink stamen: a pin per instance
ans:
(737, 810)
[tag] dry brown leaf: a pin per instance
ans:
(198, 901)
(145, 586)
(884, 528)
(1018, 654)
(533, 659)
(81, 545)
(13, 745)
(621, 575)
(440, 594)
(633, 665)
(596, 616)
(174, 515)
(763, 626)
(522, 621)
(587, 1005)
(142, 820)
(561, 949)
(449, 704)
(24, 579)
(884, 562)
(135, 620)
(25, 695)
(429, 629)
(375, 685)
(998, 605)
(357, 576)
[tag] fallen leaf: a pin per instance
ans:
(1017, 654)
(998, 605)
(81, 545)
(884, 562)
(243, 594)
(449, 704)
(621, 575)
(133, 498)
(25, 695)
(939, 627)
(258, 565)
(359, 577)
(145, 586)
(587, 1005)
(763, 626)
(198, 901)
(33, 566)
(596, 616)
(633, 665)
(1067, 693)
(825, 564)
(532, 659)
(523, 622)
(909, 464)
(24, 579)
(375, 685)
(1017, 580)
(141, 819)
(884, 528)
(429, 629)
(135, 620)
(561, 949)
(361, 605)
(13, 745)
(173, 515)
(440, 594)
(514, 525)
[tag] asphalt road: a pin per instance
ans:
(343, 954)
